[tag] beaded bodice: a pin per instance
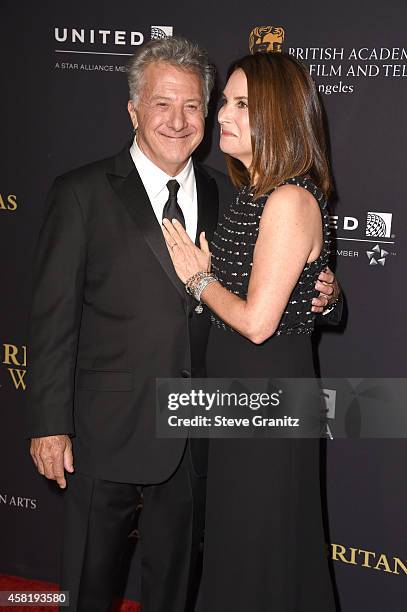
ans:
(232, 250)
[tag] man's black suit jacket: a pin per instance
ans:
(109, 315)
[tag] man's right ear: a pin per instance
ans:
(133, 114)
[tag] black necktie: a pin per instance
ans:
(172, 209)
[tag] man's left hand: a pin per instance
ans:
(329, 290)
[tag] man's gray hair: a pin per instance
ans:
(176, 51)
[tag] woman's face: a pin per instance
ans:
(233, 118)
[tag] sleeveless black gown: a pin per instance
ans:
(264, 549)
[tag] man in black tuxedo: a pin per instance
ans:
(108, 317)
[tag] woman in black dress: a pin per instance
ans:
(264, 540)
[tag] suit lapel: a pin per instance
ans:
(207, 195)
(127, 184)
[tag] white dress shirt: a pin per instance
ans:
(155, 183)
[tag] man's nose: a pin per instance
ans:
(177, 120)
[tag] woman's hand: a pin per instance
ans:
(187, 258)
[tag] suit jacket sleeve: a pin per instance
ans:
(57, 297)
(332, 317)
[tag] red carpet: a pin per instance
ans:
(15, 583)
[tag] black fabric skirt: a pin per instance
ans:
(265, 547)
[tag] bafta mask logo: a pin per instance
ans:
(264, 39)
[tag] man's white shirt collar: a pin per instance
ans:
(155, 180)
(155, 183)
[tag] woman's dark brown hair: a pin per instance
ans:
(287, 128)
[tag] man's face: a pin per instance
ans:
(169, 116)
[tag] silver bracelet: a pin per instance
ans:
(203, 283)
(197, 283)
(191, 282)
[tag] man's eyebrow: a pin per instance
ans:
(159, 97)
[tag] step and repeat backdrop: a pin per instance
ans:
(64, 97)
